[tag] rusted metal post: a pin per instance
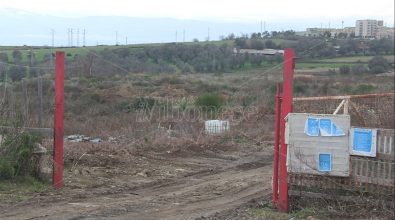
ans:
(57, 178)
(286, 107)
(276, 146)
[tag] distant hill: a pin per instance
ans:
(24, 28)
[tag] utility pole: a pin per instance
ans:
(264, 26)
(126, 40)
(68, 37)
(71, 37)
(84, 39)
(53, 42)
(261, 27)
(342, 25)
(78, 37)
(176, 36)
(116, 38)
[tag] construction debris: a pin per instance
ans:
(82, 138)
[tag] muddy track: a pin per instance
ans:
(224, 185)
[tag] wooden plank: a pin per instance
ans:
(46, 132)
(343, 97)
(382, 181)
(316, 195)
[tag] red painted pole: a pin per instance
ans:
(57, 178)
(276, 146)
(286, 107)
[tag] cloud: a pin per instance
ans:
(228, 10)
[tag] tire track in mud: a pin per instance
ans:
(206, 192)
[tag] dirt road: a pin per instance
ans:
(205, 185)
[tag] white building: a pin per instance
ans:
(367, 28)
(385, 32)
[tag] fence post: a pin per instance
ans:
(57, 178)
(40, 101)
(276, 145)
(286, 107)
(26, 103)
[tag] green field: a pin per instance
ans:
(40, 52)
(337, 62)
(355, 59)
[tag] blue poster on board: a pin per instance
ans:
(312, 127)
(325, 162)
(337, 131)
(325, 127)
(362, 140)
(322, 126)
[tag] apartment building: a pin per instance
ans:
(367, 28)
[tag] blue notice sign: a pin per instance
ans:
(337, 131)
(362, 140)
(326, 127)
(325, 162)
(312, 127)
(322, 126)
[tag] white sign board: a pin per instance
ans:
(363, 142)
(318, 144)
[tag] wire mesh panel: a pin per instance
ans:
(367, 174)
(366, 112)
(27, 103)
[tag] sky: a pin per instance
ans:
(30, 21)
(223, 10)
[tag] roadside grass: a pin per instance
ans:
(271, 214)
(313, 65)
(21, 189)
(352, 59)
(268, 213)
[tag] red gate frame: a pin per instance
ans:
(286, 107)
(57, 178)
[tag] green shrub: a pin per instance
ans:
(363, 89)
(378, 64)
(358, 69)
(16, 155)
(140, 103)
(345, 69)
(210, 101)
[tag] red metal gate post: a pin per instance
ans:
(276, 146)
(286, 107)
(57, 178)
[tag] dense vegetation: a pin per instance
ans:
(202, 57)
(16, 156)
